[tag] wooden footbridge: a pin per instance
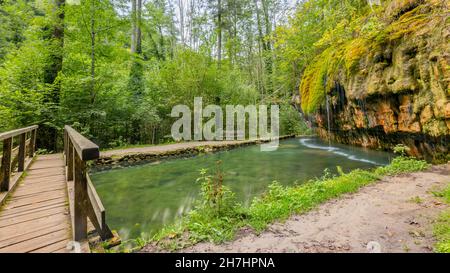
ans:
(48, 202)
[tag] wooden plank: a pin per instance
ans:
(27, 192)
(28, 186)
(34, 216)
(34, 234)
(59, 247)
(42, 194)
(45, 175)
(17, 132)
(35, 199)
(49, 157)
(31, 189)
(54, 178)
(33, 211)
(36, 243)
(20, 229)
(47, 164)
(31, 207)
(43, 166)
(48, 171)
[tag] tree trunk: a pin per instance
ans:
(219, 32)
(136, 82)
(181, 9)
(268, 46)
(48, 134)
(138, 27)
(92, 87)
(261, 50)
(133, 26)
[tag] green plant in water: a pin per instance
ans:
(215, 218)
(214, 195)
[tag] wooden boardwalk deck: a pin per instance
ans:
(36, 215)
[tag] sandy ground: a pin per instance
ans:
(397, 212)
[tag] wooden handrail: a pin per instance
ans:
(86, 149)
(17, 132)
(12, 156)
(87, 204)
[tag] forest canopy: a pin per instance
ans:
(113, 69)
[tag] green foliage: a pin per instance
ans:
(441, 228)
(15, 15)
(407, 24)
(116, 98)
(343, 43)
(401, 165)
(215, 218)
(292, 122)
(401, 149)
(281, 202)
(204, 223)
(23, 64)
(217, 199)
(317, 78)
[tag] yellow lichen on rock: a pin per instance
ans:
(395, 76)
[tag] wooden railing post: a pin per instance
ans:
(22, 152)
(66, 150)
(80, 199)
(70, 160)
(32, 143)
(6, 164)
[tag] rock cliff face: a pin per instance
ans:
(400, 90)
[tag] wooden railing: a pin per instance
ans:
(15, 160)
(86, 202)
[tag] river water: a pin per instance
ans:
(143, 198)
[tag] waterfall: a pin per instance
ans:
(328, 118)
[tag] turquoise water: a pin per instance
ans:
(142, 199)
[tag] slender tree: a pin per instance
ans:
(219, 32)
(48, 138)
(136, 81)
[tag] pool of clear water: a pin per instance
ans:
(142, 199)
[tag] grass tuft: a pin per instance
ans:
(442, 227)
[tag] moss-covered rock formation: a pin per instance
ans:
(388, 82)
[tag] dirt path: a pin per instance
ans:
(397, 213)
(168, 147)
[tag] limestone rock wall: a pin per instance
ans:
(399, 93)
